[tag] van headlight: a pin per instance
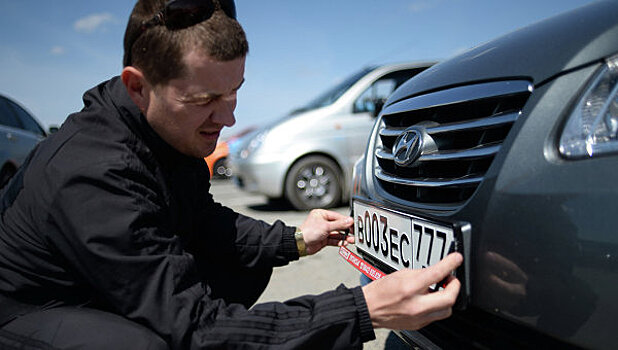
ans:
(592, 128)
(254, 144)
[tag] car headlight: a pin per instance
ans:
(253, 144)
(592, 128)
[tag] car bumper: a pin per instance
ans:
(259, 176)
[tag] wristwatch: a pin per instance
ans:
(300, 242)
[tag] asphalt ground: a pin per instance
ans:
(314, 274)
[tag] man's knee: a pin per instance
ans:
(82, 328)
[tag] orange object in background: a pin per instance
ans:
(217, 161)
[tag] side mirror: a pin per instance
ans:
(53, 129)
(378, 104)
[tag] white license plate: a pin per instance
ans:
(400, 240)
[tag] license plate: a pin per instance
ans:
(400, 240)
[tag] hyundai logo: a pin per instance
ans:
(408, 147)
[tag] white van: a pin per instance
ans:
(307, 157)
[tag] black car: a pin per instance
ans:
(19, 133)
(507, 153)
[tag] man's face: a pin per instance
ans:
(189, 112)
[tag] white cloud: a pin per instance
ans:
(57, 50)
(91, 23)
(421, 5)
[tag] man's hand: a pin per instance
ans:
(402, 300)
(325, 227)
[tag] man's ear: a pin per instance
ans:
(137, 87)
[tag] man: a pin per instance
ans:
(109, 238)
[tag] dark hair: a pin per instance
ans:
(158, 51)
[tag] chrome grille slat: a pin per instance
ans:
(447, 155)
(461, 126)
(460, 94)
(429, 183)
(454, 134)
(475, 124)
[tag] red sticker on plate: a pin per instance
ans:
(361, 265)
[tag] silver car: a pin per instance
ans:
(307, 157)
(19, 133)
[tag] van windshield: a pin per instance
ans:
(331, 95)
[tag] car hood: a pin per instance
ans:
(536, 52)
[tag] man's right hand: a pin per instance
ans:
(402, 300)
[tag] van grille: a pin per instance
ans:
(461, 130)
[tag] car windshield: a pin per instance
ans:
(331, 95)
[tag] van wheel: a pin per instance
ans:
(6, 174)
(313, 182)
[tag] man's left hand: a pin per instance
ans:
(325, 227)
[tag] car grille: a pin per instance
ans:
(461, 130)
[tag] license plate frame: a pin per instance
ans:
(455, 236)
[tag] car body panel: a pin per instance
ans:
(568, 254)
(19, 134)
(15, 144)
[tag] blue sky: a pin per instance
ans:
(54, 50)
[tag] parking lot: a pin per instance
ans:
(311, 275)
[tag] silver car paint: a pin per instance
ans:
(334, 131)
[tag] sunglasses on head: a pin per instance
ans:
(180, 14)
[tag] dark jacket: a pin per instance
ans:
(105, 214)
